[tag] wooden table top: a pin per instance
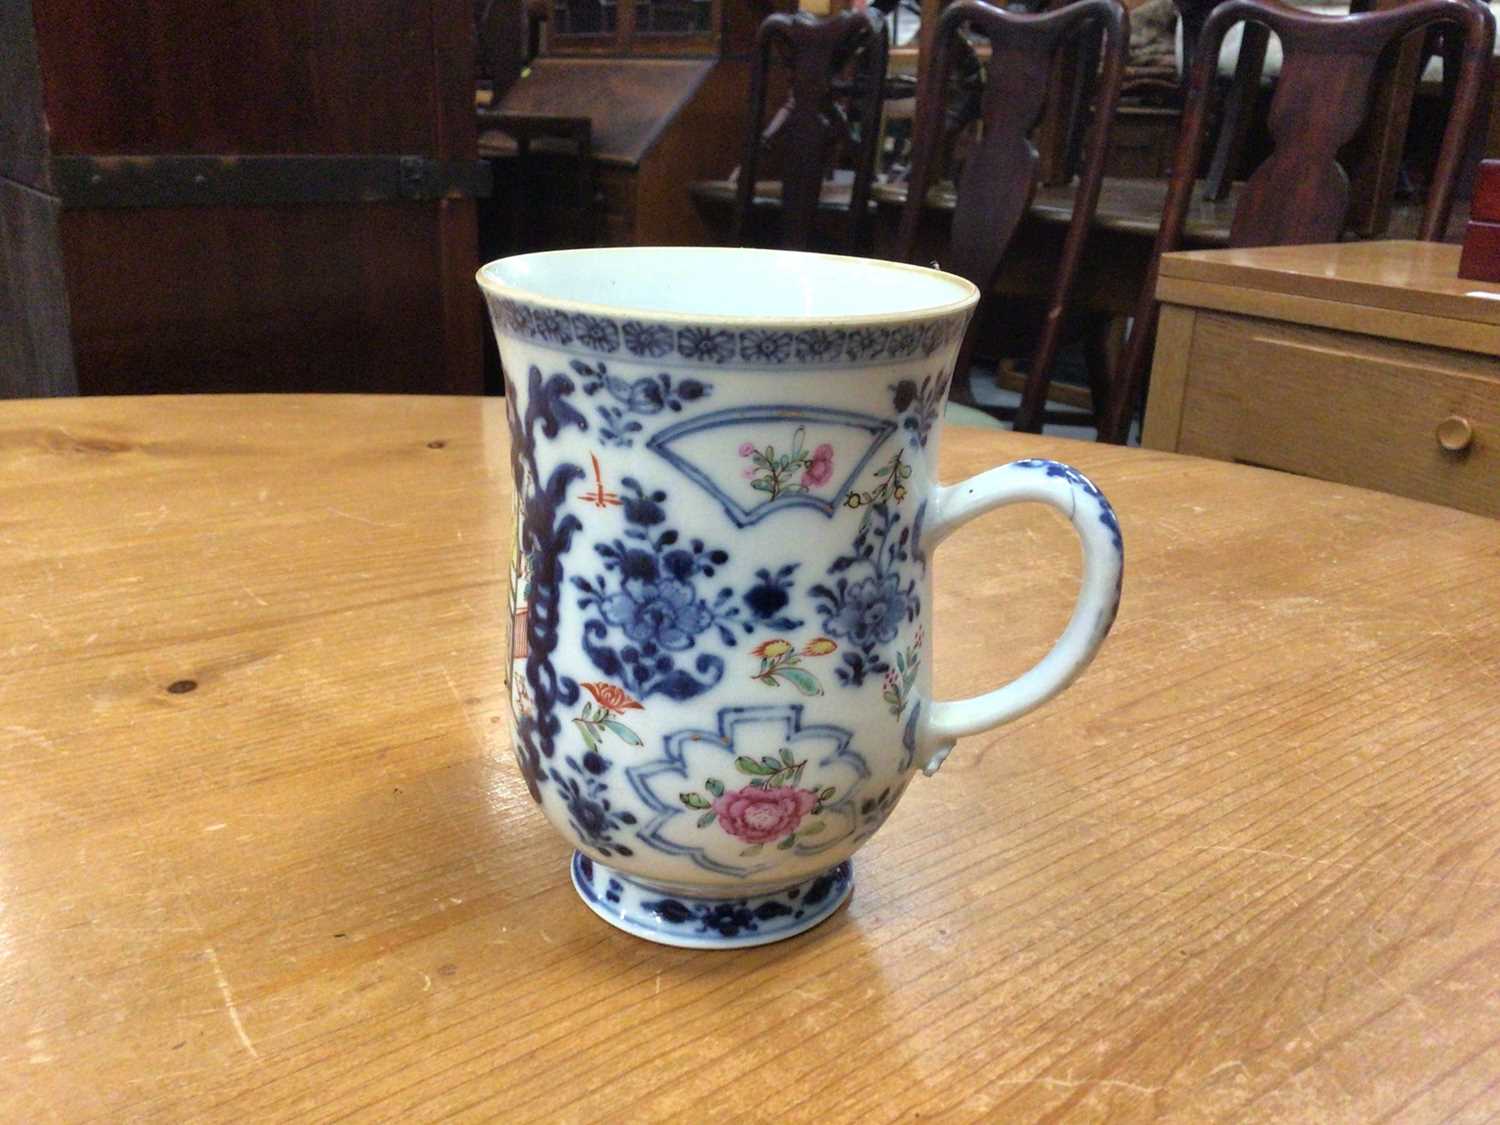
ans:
(1405, 276)
(265, 853)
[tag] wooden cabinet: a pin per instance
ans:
(1369, 363)
(635, 26)
(657, 124)
(663, 85)
(265, 197)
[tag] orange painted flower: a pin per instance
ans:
(612, 698)
(772, 649)
(819, 646)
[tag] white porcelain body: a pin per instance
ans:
(727, 506)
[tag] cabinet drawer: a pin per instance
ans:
(1344, 407)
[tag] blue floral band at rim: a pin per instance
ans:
(718, 344)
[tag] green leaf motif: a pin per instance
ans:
(714, 786)
(826, 795)
(586, 729)
(753, 849)
(760, 484)
(693, 800)
(706, 819)
(812, 829)
(787, 843)
(628, 736)
(803, 680)
(751, 766)
(771, 764)
(786, 756)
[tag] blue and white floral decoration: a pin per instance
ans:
(726, 830)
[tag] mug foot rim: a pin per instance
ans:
(690, 922)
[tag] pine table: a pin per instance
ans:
(265, 854)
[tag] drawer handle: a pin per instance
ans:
(1455, 434)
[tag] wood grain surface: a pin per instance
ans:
(1339, 362)
(1334, 405)
(1400, 276)
(265, 854)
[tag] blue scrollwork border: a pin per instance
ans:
(718, 345)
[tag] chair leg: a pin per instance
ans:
(1129, 380)
(1031, 413)
(1101, 346)
(1239, 109)
(960, 387)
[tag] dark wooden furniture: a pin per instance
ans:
(836, 75)
(508, 35)
(1480, 260)
(1000, 171)
(663, 84)
(546, 195)
(1300, 193)
(1239, 102)
(36, 357)
(650, 27)
(545, 202)
(1375, 166)
(657, 125)
(276, 196)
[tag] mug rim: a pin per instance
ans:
(511, 291)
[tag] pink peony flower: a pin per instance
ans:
(746, 449)
(759, 816)
(820, 470)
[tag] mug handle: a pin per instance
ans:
(1075, 496)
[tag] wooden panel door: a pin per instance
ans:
(347, 269)
(35, 356)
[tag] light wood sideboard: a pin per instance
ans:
(1366, 363)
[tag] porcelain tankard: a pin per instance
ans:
(727, 509)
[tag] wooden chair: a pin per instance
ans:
(837, 67)
(1377, 165)
(1000, 172)
(1300, 193)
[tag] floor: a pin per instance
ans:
(982, 380)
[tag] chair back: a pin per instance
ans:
(1000, 170)
(837, 67)
(1300, 192)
